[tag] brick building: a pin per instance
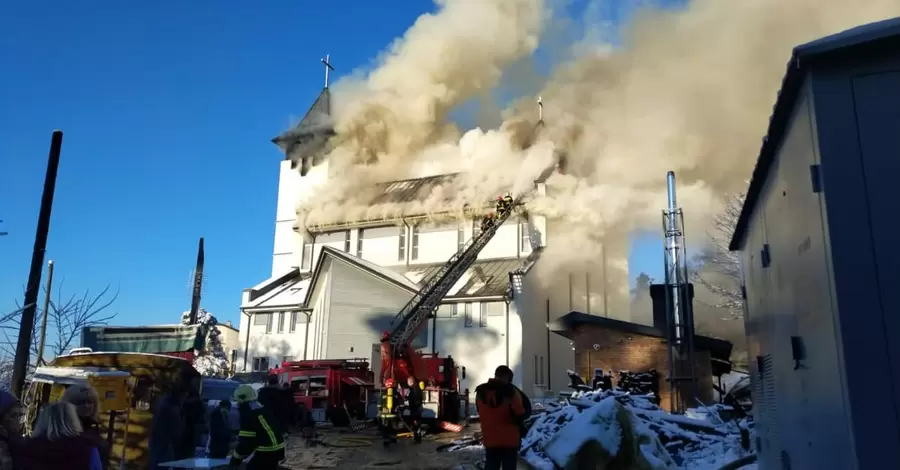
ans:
(614, 345)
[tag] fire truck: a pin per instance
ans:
(399, 359)
(335, 390)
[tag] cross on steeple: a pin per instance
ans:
(328, 67)
(540, 109)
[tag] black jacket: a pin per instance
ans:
(258, 433)
(414, 399)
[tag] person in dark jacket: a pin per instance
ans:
(414, 405)
(10, 428)
(220, 431)
(167, 427)
(273, 398)
(193, 412)
(57, 442)
(501, 412)
(258, 435)
(87, 404)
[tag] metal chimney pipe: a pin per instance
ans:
(670, 186)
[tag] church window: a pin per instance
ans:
(347, 242)
(460, 237)
(468, 313)
(359, 243)
(524, 236)
(476, 228)
(401, 247)
(263, 319)
(454, 310)
(306, 262)
(281, 322)
(415, 242)
(482, 314)
(260, 364)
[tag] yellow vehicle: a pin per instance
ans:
(126, 411)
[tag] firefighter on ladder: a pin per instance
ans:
(259, 436)
(504, 204)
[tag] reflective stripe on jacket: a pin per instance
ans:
(258, 432)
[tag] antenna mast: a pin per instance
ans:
(679, 305)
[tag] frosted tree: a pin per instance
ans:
(720, 269)
(212, 361)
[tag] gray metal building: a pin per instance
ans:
(820, 245)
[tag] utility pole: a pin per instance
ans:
(40, 352)
(26, 325)
(198, 285)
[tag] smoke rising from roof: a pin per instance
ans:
(688, 90)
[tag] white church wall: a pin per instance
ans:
(503, 245)
(381, 245)
(339, 240)
(275, 336)
(292, 189)
(482, 345)
(433, 243)
(361, 308)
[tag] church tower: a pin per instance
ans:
(303, 169)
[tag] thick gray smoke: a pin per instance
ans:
(688, 90)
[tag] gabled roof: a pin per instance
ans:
(373, 269)
(885, 34)
(283, 290)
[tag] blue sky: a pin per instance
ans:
(168, 109)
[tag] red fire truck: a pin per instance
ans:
(332, 389)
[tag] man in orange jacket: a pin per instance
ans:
(501, 410)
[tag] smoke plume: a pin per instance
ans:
(688, 90)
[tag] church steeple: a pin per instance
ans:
(304, 143)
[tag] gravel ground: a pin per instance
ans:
(363, 449)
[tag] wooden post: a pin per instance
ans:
(26, 325)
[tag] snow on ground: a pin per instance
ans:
(661, 439)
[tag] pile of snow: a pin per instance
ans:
(629, 429)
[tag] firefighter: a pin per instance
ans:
(388, 414)
(258, 434)
(504, 204)
(414, 398)
(487, 222)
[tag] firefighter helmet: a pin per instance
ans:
(389, 382)
(244, 394)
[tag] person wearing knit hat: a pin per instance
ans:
(10, 427)
(259, 434)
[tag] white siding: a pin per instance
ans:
(292, 189)
(433, 244)
(503, 245)
(381, 245)
(480, 349)
(269, 342)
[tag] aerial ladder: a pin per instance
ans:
(399, 359)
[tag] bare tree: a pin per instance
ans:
(66, 318)
(719, 269)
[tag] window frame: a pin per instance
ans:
(306, 255)
(467, 310)
(460, 236)
(524, 236)
(401, 244)
(414, 249)
(280, 328)
(482, 315)
(346, 241)
(258, 362)
(359, 243)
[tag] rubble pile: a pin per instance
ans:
(614, 429)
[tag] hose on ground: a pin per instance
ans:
(741, 462)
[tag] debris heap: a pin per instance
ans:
(617, 430)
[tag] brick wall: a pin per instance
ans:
(614, 350)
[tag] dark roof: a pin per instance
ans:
(494, 274)
(719, 349)
(850, 41)
(417, 189)
(316, 122)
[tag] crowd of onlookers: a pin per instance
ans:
(65, 434)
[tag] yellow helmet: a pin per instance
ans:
(244, 394)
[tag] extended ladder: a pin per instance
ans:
(423, 304)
